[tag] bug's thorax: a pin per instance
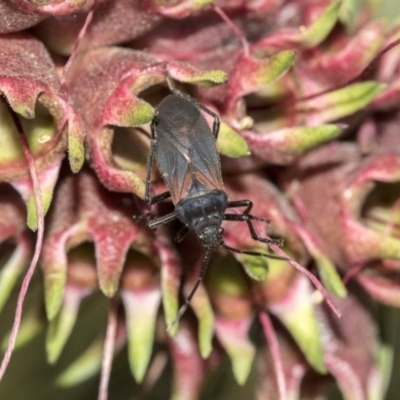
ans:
(177, 113)
(204, 215)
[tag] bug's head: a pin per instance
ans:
(211, 236)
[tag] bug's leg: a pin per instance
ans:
(247, 217)
(181, 234)
(150, 161)
(161, 220)
(193, 291)
(215, 125)
(142, 217)
(249, 205)
(159, 198)
(154, 200)
(176, 91)
(253, 253)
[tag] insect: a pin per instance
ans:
(184, 146)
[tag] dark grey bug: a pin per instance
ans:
(186, 154)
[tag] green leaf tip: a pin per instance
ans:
(330, 277)
(272, 68)
(320, 29)
(348, 100)
(230, 143)
(54, 284)
(304, 328)
(255, 267)
(141, 114)
(76, 154)
(301, 139)
(208, 78)
(32, 219)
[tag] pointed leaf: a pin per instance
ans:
(285, 145)
(48, 178)
(343, 102)
(39, 129)
(47, 196)
(189, 368)
(320, 29)
(329, 275)
(76, 137)
(233, 335)
(22, 102)
(114, 179)
(114, 230)
(300, 139)
(54, 284)
(61, 327)
(348, 12)
(230, 143)
(125, 109)
(252, 74)
(385, 359)
(55, 278)
(186, 73)
(141, 313)
(202, 308)
(256, 267)
(273, 68)
(297, 313)
(87, 365)
(31, 326)
(170, 282)
(12, 269)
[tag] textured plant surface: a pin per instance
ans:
(79, 82)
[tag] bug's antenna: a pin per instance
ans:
(191, 294)
(170, 81)
(254, 253)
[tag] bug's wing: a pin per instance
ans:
(173, 159)
(204, 158)
(187, 157)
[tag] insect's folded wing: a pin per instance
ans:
(204, 156)
(173, 161)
